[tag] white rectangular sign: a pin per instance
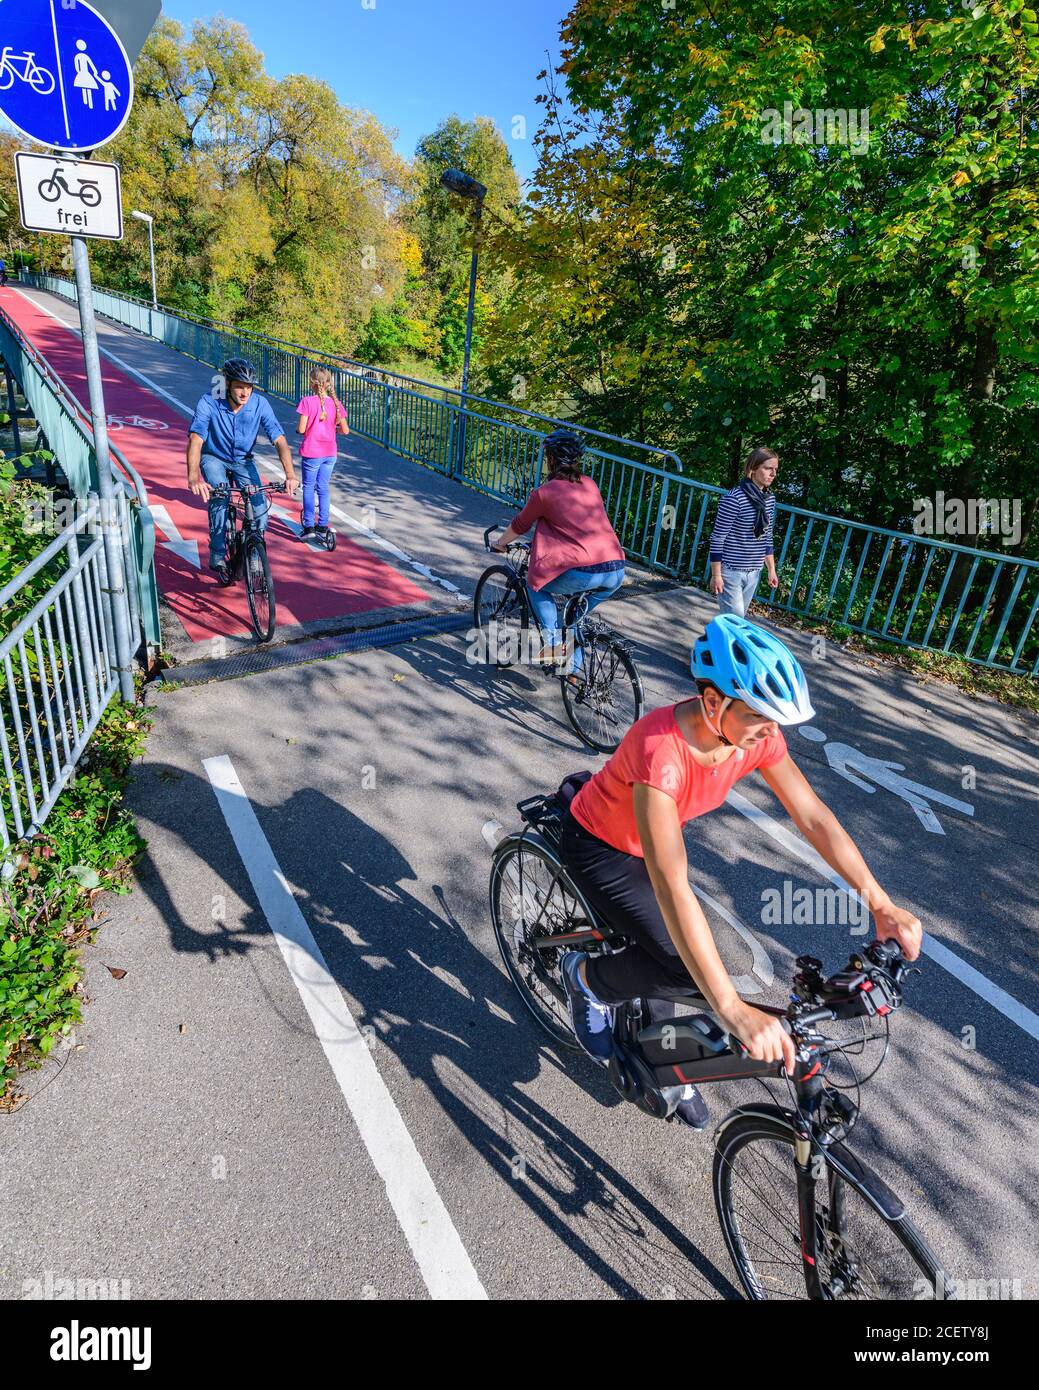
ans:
(77, 197)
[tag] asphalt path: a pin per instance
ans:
(203, 1136)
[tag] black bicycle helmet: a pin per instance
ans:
(238, 369)
(565, 447)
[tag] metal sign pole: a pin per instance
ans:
(110, 518)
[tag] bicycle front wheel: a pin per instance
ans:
(861, 1254)
(500, 615)
(259, 586)
(605, 697)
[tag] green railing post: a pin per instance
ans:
(661, 508)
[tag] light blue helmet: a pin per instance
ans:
(747, 663)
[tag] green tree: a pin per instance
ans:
(272, 201)
(443, 224)
(867, 307)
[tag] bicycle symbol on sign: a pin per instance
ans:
(135, 422)
(88, 192)
(39, 79)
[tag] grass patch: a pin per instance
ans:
(49, 906)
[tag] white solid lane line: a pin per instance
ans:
(426, 1223)
(970, 978)
(359, 526)
(106, 352)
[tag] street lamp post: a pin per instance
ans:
(146, 217)
(455, 181)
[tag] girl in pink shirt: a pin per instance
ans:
(575, 548)
(320, 415)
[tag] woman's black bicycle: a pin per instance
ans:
(799, 1210)
(246, 552)
(604, 696)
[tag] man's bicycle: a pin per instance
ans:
(604, 696)
(246, 552)
(799, 1210)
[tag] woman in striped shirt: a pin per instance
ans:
(741, 541)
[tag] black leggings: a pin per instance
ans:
(618, 887)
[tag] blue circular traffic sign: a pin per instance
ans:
(65, 79)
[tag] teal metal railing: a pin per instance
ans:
(57, 673)
(68, 433)
(907, 589)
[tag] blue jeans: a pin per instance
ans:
(740, 588)
(605, 584)
(217, 473)
(316, 473)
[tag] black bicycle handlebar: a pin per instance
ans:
(501, 526)
(868, 986)
(219, 489)
(224, 489)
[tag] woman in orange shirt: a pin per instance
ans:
(622, 841)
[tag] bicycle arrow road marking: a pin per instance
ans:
(761, 963)
(187, 550)
(847, 762)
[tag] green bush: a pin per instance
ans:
(47, 905)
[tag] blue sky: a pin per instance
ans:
(410, 62)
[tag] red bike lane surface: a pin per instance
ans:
(310, 584)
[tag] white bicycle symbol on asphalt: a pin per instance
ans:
(39, 79)
(135, 422)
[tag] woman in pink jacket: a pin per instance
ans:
(575, 548)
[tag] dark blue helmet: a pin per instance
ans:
(238, 369)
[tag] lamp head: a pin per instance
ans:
(455, 181)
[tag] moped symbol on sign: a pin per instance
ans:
(73, 196)
(65, 78)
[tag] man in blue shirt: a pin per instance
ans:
(221, 439)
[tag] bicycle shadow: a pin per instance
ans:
(421, 989)
(522, 697)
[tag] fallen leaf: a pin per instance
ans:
(115, 974)
(292, 740)
(398, 677)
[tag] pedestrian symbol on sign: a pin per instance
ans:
(86, 73)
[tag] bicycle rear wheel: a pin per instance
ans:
(531, 896)
(862, 1255)
(605, 697)
(259, 586)
(500, 615)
